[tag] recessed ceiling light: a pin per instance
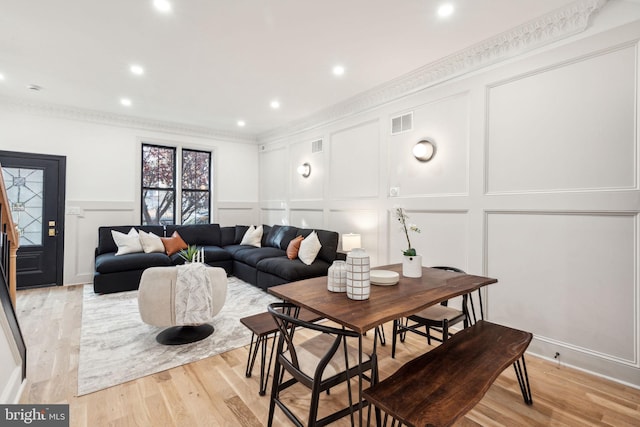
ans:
(445, 10)
(275, 104)
(137, 70)
(241, 123)
(163, 6)
(1, 76)
(338, 70)
(125, 101)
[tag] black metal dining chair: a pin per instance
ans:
(438, 317)
(319, 363)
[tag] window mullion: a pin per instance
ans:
(178, 183)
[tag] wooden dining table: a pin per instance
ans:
(385, 303)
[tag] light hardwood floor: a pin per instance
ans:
(215, 392)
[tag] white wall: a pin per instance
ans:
(535, 182)
(11, 383)
(103, 175)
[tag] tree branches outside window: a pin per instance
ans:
(196, 178)
(159, 185)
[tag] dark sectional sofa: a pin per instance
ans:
(261, 266)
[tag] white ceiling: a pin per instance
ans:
(210, 63)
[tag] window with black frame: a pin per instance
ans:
(196, 188)
(161, 182)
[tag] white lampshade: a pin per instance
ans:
(351, 241)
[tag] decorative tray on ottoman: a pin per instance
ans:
(383, 277)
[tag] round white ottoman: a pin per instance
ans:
(157, 304)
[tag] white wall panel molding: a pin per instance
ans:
(274, 216)
(634, 363)
(356, 218)
(121, 120)
(300, 209)
(402, 198)
(579, 116)
(549, 28)
(307, 218)
(446, 122)
(440, 202)
(566, 61)
(568, 277)
(411, 210)
(443, 237)
(274, 174)
(563, 191)
(354, 162)
(234, 213)
(236, 204)
(307, 205)
(310, 188)
(82, 220)
(308, 215)
(565, 250)
(600, 366)
(571, 202)
(365, 222)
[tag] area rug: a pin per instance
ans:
(116, 346)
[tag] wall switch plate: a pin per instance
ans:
(394, 191)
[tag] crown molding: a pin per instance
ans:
(554, 26)
(121, 120)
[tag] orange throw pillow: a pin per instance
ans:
(173, 244)
(294, 247)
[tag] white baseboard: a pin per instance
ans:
(12, 391)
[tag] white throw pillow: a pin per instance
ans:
(127, 243)
(309, 248)
(253, 237)
(150, 242)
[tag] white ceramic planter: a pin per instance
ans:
(358, 268)
(412, 266)
(337, 277)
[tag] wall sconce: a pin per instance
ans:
(350, 241)
(424, 150)
(304, 170)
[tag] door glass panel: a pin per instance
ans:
(24, 190)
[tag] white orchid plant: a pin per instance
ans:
(406, 227)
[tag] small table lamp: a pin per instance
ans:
(351, 241)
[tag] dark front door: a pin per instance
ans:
(35, 187)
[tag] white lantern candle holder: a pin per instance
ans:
(358, 280)
(337, 277)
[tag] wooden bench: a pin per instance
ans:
(263, 327)
(440, 386)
